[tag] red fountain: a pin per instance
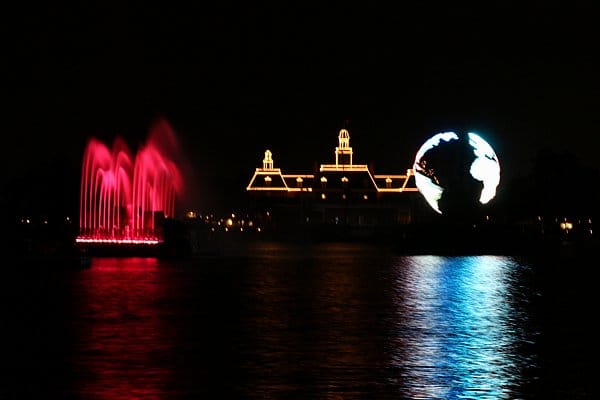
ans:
(125, 200)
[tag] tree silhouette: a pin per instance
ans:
(558, 184)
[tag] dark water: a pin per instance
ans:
(335, 321)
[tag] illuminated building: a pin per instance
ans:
(342, 194)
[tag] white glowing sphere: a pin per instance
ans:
(484, 168)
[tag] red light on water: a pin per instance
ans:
(91, 240)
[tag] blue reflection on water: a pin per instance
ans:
(457, 332)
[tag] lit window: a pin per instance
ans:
(323, 181)
(191, 214)
(566, 226)
(323, 196)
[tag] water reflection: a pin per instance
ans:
(119, 346)
(328, 321)
(457, 328)
(311, 324)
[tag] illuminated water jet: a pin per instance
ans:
(124, 200)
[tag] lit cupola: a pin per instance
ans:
(343, 153)
(268, 160)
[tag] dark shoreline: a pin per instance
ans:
(415, 239)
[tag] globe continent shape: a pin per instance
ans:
(456, 174)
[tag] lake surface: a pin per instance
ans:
(331, 321)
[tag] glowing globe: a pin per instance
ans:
(456, 174)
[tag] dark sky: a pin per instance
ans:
(234, 80)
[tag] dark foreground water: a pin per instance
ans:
(334, 321)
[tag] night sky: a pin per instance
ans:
(234, 80)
